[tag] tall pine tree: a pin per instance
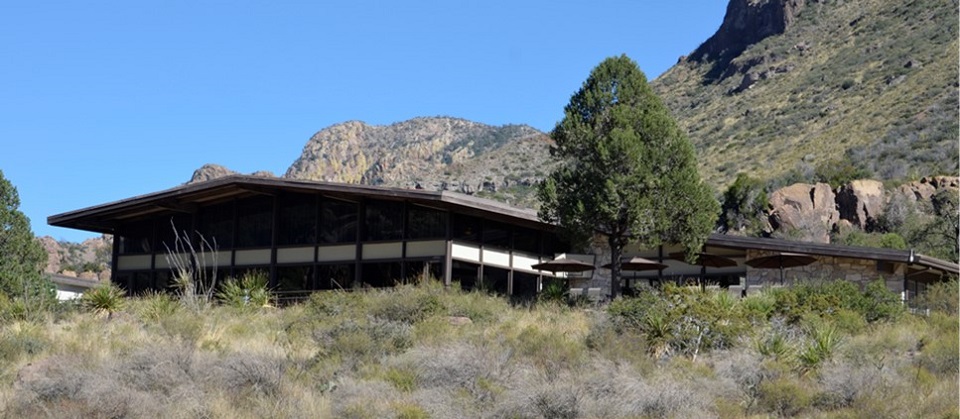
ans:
(627, 170)
(21, 257)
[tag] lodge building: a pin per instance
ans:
(308, 236)
(322, 236)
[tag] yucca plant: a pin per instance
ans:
(106, 298)
(248, 291)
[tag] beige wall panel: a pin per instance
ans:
(382, 251)
(337, 253)
(426, 248)
(295, 255)
(130, 262)
(466, 252)
(160, 260)
(253, 257)
(523, 262)
(496, 258)
(211, 259)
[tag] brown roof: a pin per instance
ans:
(822, 249)
(105, 217)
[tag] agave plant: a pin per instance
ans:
(106, 298)
(248, 291)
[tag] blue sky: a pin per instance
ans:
(101, 101)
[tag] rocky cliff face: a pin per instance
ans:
(430, 153)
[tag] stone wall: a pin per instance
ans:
(826, 268)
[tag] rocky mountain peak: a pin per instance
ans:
(212, 171)
(436, 153)
(746, 22)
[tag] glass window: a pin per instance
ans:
(419, 271)
(295, 278)
(338, 221)
(553, 245)
(466, 274)
(216, 225)
(384, 220)
(526, 240)
(496, 234)
(172, 227)
(298, 219)
(426, 223)
(495, 280)
(379, 275)
(140, 282)
(335, 277)
(255, 222)
(466, 228)
(524, 285)
(136, 238)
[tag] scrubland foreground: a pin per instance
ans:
(827, 350)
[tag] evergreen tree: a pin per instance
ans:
(627, 170)
(21, 257)
(744, 207)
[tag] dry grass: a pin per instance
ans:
(386, 354)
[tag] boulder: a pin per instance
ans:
(917, 191)
(861, 201)
(806, 208)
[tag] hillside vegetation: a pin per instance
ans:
(873, 82)
(425, 351)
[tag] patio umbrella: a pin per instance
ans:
(781, 260)
(563, 265)
(704, 260)
(637, 264)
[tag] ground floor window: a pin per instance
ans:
(525, 285)
(335, 277)
(380, 275)
(496, 280)
(466, 274)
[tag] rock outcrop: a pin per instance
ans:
(861, 202)
(813, 211)
(212, 171)
(807, 208)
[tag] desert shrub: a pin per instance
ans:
(247, 374)
(940, 348)
(104, 299)
(335, 303)
(407, 305)
(155, 306)
(21, 339)
(827, 299)
(784, 396)
(824, 339)
(549, 350)
(628, 346)
(941, 296)
(249, 291)
(554, 291)
(357, 342)
(681, 319)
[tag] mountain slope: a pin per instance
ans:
(437, 153)
(786, 85)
